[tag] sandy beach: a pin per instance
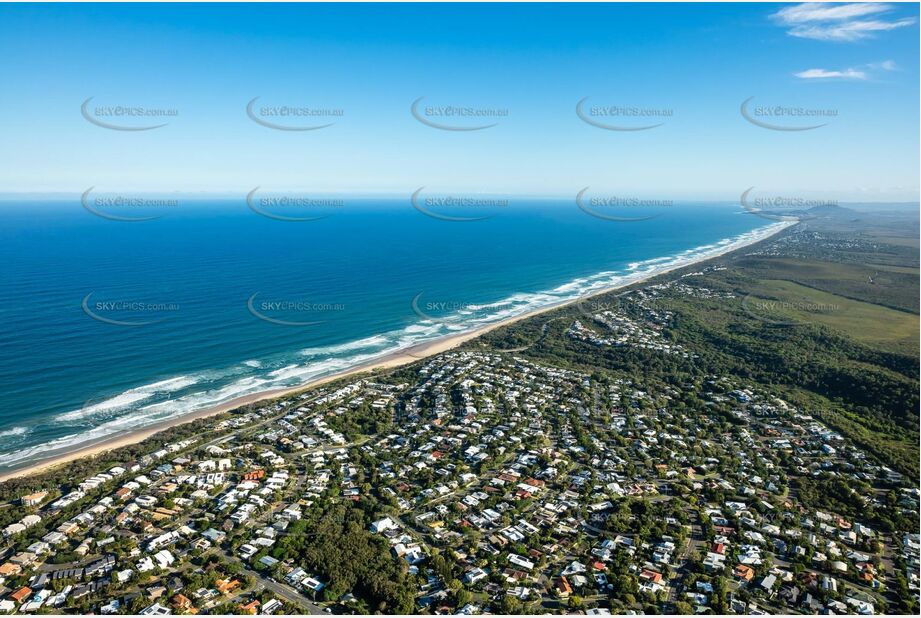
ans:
(395, 359)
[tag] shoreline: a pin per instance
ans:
(389, 360)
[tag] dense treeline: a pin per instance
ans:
(809, 357)
(848, 497)
(362, 421)
(335, 543)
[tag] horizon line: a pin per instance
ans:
(66, 195)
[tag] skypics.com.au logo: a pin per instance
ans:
(457, 208)
(616, 207)
(130, 118)
(121, 207)
(292, 207)
(790, 118)
(127, 312)
(298, 312)
(619, 117)
(457, 117)
(293, 117)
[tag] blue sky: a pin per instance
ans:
(697, 62)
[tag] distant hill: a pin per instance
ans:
(830, 210)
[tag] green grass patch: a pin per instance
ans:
(873, 325)
(891, 286)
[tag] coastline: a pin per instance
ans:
(390, 360)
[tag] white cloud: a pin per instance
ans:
(885, 65)
(819, 11)
(850, 31)
(861, 72)
(838, 22)
(823, 74)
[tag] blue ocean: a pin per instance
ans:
(108, 325)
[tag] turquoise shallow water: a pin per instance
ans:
(107, 326)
